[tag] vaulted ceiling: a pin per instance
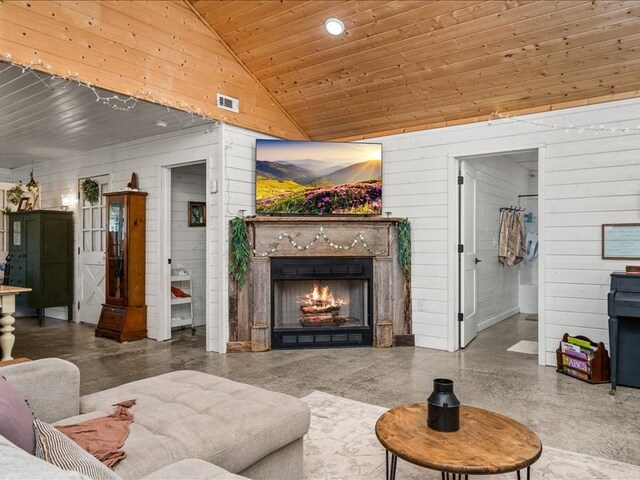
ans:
(409, 65)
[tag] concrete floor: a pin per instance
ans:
(566, 413)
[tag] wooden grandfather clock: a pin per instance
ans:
(124, 313)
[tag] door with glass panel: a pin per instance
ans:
(91, 254)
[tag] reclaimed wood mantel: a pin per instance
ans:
(335, 237)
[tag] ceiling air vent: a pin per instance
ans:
(228, 103)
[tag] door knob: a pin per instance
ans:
(478, 261)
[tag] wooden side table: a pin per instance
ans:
(15, 361)
(487, 442)
(8, 306)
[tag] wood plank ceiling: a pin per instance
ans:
(409, 65)
(43, 117)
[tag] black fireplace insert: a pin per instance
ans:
(321, 302)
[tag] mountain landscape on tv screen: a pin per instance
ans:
(336, 185)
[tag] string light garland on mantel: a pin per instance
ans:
(359, 238)
(596, 129)
(116, 102)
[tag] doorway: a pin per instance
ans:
(188, 237)
(91, 253)
(492, 188)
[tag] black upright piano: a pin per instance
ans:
(624, 329)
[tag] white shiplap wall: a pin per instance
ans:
(236, 174)
(499, 182)
(145, 157)
(589, 179)
(188, 184)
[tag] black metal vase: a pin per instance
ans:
(443, 410)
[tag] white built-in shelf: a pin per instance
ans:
(183, 282)
(180, 301)
(180, 278)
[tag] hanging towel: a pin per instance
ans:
(512, 247)
(505, 221)
(517, 243)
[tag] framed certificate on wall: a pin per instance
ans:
(621, 241)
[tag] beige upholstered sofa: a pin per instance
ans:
(187, 424)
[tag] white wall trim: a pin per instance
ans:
(163, 204)
(489, 322)
(453, 167)
(164, 252)
(208, 312)
(222, 326)
(542, 239)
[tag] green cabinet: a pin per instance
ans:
(41, 258)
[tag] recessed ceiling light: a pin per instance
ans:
(334, 26)
(161, 123)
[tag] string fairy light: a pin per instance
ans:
(357, 239)
(596, 129)
(114, 101)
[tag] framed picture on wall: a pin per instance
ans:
(197, 214)
(621, 241)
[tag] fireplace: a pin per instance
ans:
(320, 282)
(321, 302)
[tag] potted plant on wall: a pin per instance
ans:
(90, 190)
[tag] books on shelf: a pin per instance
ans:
(576, 373)
(586, 353)
(582, 365)
(580, 342)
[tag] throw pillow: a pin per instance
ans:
(16, 420)
(56, 448)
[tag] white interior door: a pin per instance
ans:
(469, 260)
(91, 255)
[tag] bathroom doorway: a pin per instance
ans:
(496, 283)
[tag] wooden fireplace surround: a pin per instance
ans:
(250, 304)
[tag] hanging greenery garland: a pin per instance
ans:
(240, 250)
(90, 190)
(15, 194)
(404, 245)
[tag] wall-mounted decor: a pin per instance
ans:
(90, 190)
(318, 178)
(621, 241)
(197, 214)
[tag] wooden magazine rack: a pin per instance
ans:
(594, 370)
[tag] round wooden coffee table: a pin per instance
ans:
(487, 442)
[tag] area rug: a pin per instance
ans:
(524, 346)
(341, 444)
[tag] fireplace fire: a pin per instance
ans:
(320, 307)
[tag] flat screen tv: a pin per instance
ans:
(318, 178)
